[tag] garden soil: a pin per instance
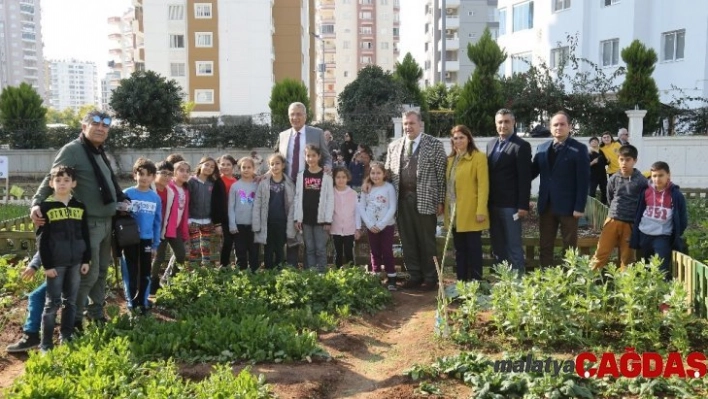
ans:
(368, 356)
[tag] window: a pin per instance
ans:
(607, 3)
(502, 21)
(523, 16)
(205, 68)
(560, 5)
(559, 56)
(346, 44)
(202, 10)
(366, 59)
(177, 70)
(673, 45)
(176, 41)
(384, 2)
(384, 45)
(470, 13)
(365, 15)
(203, 96)
(520, 63)
(326, 29)
(502, 69)
(365, 30)
(203, 39)
(609, 52)
(346, 74)
(366, 45)
(494, 32)
(175, 12)
(365, 2)
(395, 31)
(472, 35)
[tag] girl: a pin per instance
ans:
(359, 167)
(468, 190)
(219, 206)
(176, 229)
(240, 215)
(378, 209)
(272, 212)
(346, 222)
(314, 207)
(201, 186)
(598, 176)
(610, 148)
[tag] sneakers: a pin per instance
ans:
(391, 283)
(27, 342)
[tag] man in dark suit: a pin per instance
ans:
(509, 160)
(417, 163)
(564, 167)
(291, 145)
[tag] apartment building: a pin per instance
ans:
(352, 34)
(459, 22)
(124, 39)
(72, 84)
(21, 58)
(227, 54)
(677, 31)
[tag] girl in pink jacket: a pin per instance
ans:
(346, 222)
(175, 223)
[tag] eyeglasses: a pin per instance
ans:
(97, 119)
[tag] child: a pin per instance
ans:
(35, 303)
(167, 194)
(240, 215)
(273, 211)
(598, 174)
(378, 209)
(220, 208)
(346, 222)
(65, 251)
(359, 168)
(175, 223)
(147, 210)
(314, 207)
(201, 186)
(623, 191)
(661, 218)
(339, 163)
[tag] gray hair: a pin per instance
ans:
(505, 111)
(297, 105)
(411, 112)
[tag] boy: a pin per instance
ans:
(661, 218)
(163, 176)
(147, 211)
(623, 191)
(35, 302)
(65, 251)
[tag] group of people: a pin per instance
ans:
(298, 198)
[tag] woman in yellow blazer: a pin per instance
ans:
(468, 189)
(610, 148)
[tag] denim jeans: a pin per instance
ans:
(315, 247)
(660, 246)
(61, 290)
(35, 307)
(505, 234)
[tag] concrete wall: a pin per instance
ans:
(685, 155)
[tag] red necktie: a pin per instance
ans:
(296, 158)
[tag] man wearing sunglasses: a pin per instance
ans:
(97, 187)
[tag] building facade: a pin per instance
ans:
(72, 84)
(226, 54)
(125, 40)
(352, 34)
(677, 31)
(21, 58)
(464, 23)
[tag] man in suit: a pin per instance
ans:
(417, 163)
(291, 145)
(564, 167)
(623, 136)
(509, 160)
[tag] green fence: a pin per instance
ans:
(694, 276)
(596, 213)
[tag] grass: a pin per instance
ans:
(11, 211)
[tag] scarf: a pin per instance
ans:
(103, 187)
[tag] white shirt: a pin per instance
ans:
(416, 141)
(291, 146)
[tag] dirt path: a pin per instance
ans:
(368, 353)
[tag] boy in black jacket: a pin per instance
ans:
(65, 251)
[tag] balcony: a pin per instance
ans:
(114, 20)
(137, 3)
(330, 48)
(451, 22)
(452, 4)
(115, 51)
(115, 36)
(450, 66)
(326, 5)
(451, 43)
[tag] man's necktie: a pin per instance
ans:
(409, 150)
(295, 168)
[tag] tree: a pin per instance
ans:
(151, 106)
(408, 73)
(23, 117)
(368, 103)
(481, 96)
(284, 93)
(639, 88)
(441, 97)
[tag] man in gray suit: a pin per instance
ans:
(291, 145)
(417, 162)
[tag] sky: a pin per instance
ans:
(86, 38)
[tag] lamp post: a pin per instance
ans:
(321, 69)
